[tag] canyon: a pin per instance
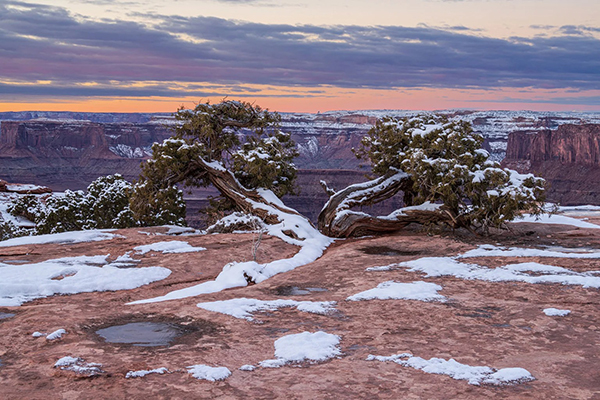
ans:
(64, 150)
(568, 158)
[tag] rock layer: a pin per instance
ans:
(568, 158)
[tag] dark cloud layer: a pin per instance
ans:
(48, 43)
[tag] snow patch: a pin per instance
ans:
(306, 346)
(474, 375)
(447, 266)
(176, 230)
(61, 238)
(247, 367)
(170, 247)
(390, 267)
(142, 373)
(70, 275)
(422, 291)
(244, 307)
(212, 374)
(488, 250)
(57, 334)
(79, 366)
(556, 219)
(555, 312)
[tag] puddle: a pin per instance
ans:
(4, 315)
(296, 291)
(388, 251)
(501, 325)
(144, 334)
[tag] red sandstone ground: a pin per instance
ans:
(494, 324)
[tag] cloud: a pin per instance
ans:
(48, 43)
(571, 101)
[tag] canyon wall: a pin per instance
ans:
(568, 158)
(69, 155)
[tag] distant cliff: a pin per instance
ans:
(71, 154)
(568, 158)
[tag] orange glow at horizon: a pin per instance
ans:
(335, 99)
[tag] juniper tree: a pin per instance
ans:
(104, 205)
(209, 142)
(444, 174)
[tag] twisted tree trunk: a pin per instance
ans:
(338, 220)
(264, 206)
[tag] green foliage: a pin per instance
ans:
(107, 203)
(237, 136)
(267, 163)
(447, 165)
(104, 205)
(157, 205)
(9, 230)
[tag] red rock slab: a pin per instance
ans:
(482, 323)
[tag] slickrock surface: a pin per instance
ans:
(496, 324)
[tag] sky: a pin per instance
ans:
(300, 55)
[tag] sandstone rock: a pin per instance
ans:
(497, 324)
(568, 158)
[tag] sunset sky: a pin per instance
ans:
(300, 55)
